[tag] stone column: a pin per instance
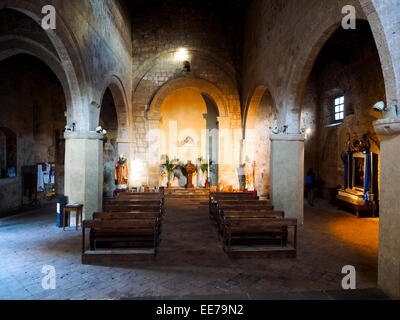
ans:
(84, 170)
(389, 207)
(153, 152)
(226, 168)
(287, 175)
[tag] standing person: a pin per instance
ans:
(310, 187)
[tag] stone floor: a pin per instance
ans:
(191, 262)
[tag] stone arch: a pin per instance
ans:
(147, 66)
(258, 123)
(305, 62)
(254, 102)
(118, 92)
(17, 45)
(68, 55)
(153, 110)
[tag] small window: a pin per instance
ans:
(339, 108)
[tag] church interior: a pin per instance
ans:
(199, 148)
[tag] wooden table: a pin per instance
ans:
(78, 208)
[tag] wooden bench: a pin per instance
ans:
(125, 215)
(126, 202)
(135, 215)
(259, 237)
(221, 196)
(115, 207)
(249, 214)
(128, 239)
(141, 195)
(253, 206)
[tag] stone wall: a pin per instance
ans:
(282, 40)
(210, 42)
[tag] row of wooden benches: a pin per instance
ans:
(130, 226)
(250, 227)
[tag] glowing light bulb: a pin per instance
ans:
(181, 55)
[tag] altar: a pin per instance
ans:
(360, 190)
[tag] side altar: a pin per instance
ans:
(360, 191)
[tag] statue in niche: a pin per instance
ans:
(121, 172)
(190, 170)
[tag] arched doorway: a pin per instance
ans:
(260, 120)
(189, 125)
(193, 102)
(337, 106)
(113, 118)
(33, 113)
(109, 122)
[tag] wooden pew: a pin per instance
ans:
(124, 202)
(241, 235)
(221, 196)
(246, 214)
(115, 207)
(136, 215)
(248, 206)
(135, 202)
(141, 195)
(125, 215)
(120, 238)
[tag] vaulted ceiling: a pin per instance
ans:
(342, 43)
(136, 6)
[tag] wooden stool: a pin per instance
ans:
(78, 208)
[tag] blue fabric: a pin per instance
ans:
(309, 180)
(348, 171)
(367, 180)
(351, 170)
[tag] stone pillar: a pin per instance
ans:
(389, 207)
(84, 171)
(287, 175)
(153, 152)
(226, 162)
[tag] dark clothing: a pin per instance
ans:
(310, 180)
(310, 187)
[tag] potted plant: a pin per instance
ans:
(204, 169)
(169, 166)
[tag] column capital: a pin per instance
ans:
(387, 127)
(91, 135)
(288, 137)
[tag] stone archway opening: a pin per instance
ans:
(340, 178)
(189, 131)
(109, 122)
(259, 121)
(33, 108)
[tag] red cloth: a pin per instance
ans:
(253, 192)
(117, 192)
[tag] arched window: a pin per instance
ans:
(8, 153)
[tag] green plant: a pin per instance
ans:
(169, 166)
(203, 167)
